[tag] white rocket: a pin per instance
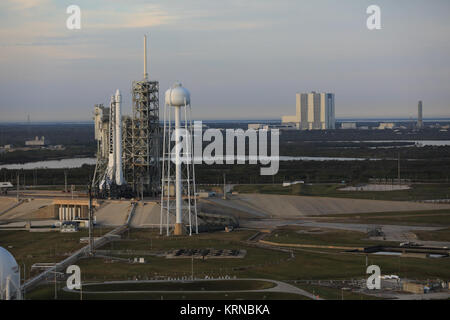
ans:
(114, 172)
(118, 151)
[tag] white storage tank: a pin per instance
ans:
(9, 276)
(177, 96)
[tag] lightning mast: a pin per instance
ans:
(145, 167)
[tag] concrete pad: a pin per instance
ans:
(112, 213)
(283, 206)
(6, 203)
(26, 209)
(148, 215)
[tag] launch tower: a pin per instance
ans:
(145, 135)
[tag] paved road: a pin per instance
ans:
(403, 296)
(279, 287)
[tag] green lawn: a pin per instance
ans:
(329, 237)
(329, 293)
(47, 292)
(219, 285)
(426, 218)
(258, 262)
(32, 247)
(438, 235)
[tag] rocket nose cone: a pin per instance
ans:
(118, 95)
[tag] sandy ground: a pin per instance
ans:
(26, 209)
(283, 206)
(112, 213)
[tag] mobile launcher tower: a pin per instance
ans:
(134, 143)
(178, 194)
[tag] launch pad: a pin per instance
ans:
(128, 148)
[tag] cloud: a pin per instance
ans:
(134, 17)
(19, 5)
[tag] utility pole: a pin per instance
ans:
(399, 167)
(91, 222)
(192, 267)
(18, 186)
(81, 289)
(65, 181)
(24, 277)
(224, 191)
(56, 295)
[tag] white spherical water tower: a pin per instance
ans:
(178, 99)
(9, 276)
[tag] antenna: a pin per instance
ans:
(145, 58)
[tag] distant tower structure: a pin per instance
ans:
(314, 111)
(178, 194)
(101, 122)
(145, 132)
(420, 116)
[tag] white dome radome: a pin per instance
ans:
(177, 96)
(9, 269)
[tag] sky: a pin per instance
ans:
(239, 59)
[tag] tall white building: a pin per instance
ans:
(314, 111)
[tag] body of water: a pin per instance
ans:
(78, 162)
(420, 143)
(50, 164)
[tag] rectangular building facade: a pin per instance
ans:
(314, 111)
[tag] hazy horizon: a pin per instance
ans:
(240, 60)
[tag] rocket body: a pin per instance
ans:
(118, 136)
(112, 141)
(114, 171)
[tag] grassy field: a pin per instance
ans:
(47, 292)
(412, 218)
(258, 262)
(103, 269)
(219, 285)
(417, 192)
(32, 247)
(438, 235)
(331, 237)
(329, 293)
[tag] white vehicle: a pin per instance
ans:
(5, 186)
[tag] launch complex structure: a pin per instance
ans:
(128, 148)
